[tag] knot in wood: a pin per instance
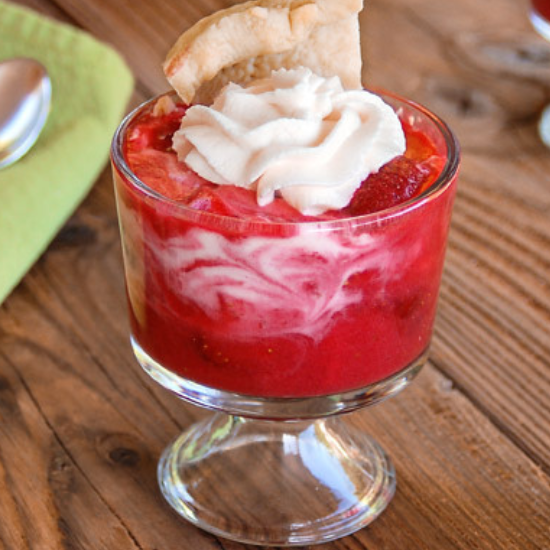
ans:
(504, 53)
(75, 235)
(124, 456)
(4, 384)
(464, 102)
(61, 474)
(120, 449)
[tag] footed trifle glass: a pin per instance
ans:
(280, 328)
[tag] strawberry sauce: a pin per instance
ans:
(542, 7)
(266, 301)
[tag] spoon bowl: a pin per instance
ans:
(25, 98)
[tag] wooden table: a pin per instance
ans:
(81, 427)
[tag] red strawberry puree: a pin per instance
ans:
(266, 301)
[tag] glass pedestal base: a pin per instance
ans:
(277, 471)
(276, 483)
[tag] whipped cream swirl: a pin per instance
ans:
(294, 134)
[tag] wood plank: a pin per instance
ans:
(46, 500)
(488, 77)
(492, 332)
(449, 462)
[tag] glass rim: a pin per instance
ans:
(443, 181)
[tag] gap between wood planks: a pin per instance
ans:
(494, 420)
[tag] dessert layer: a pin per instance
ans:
(150, 156)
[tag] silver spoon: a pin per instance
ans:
(25, 97)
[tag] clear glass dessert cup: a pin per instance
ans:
(280, 328)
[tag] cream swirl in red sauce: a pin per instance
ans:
(273, 286)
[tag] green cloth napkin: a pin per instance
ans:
(90, 88)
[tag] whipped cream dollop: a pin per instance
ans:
(294, 134)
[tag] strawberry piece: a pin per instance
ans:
(396, 182)
(419, 146)
(208, 200)
(156, 132)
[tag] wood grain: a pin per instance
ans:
(81, 428)
(489, 81)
